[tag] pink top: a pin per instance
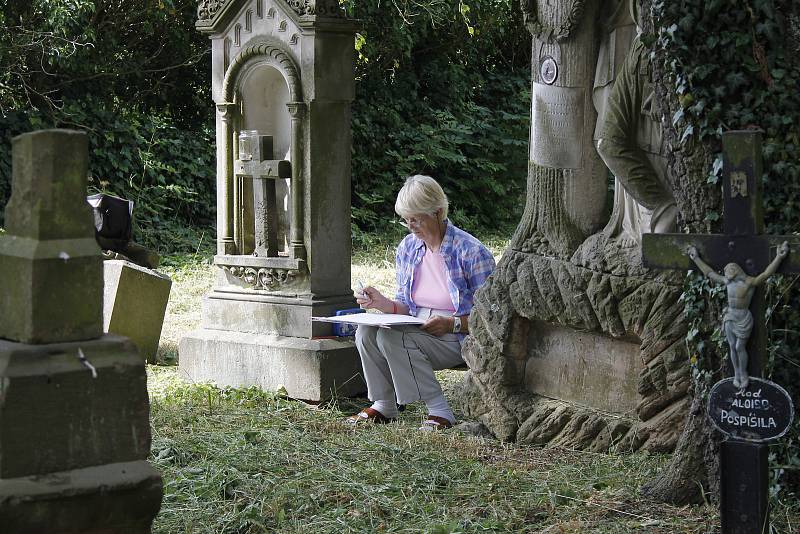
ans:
(430, 283)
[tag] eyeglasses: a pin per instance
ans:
(408, 222)
(411, 221)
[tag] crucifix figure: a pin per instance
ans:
(742, 248)
(737, 322)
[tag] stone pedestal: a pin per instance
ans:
(124, 496)
(134, 302)
(74, 409)
(282, 83)
(74, 442)
(49, 254)
(309, 369)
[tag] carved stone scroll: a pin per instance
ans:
(263, 278)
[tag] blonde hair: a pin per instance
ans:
(421, 194)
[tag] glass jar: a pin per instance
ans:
(246, 140)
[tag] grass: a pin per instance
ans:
(248, 461)
(192, 277)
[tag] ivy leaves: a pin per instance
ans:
(731, 68)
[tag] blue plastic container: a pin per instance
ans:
(344, 329)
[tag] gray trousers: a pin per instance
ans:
(399, 362)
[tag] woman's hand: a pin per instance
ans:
(372, 298)
(439, 325)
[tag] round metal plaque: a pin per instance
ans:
(762, 412)
(548, 70)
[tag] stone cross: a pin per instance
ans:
(744, 470)
(256, 161)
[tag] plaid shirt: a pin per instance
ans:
(468, 264)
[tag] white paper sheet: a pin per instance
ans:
(383, 320)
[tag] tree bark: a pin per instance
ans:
(692, 474)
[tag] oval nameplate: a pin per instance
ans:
(762, 412)
(548, 70)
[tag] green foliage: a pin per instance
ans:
(734, 66)
(166, 171)
(442, 89)
(127, 72)
(121, 54)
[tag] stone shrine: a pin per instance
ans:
(74, 409)
(283, 83)
(574, 343)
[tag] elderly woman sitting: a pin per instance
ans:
(439, 267)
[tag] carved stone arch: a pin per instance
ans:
(271, 53)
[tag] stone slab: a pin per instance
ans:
(309, 369)
(54, 416)
(134, 303)
(252, 313)
(117, 497)
(583, 367)
(557, 134)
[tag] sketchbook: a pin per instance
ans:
(383, 320)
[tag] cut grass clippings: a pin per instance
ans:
(250, 461)
(247, 461)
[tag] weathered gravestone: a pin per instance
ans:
(750, 411)
(283, 83)
(574, 342)
(74, 410)
(134, 303)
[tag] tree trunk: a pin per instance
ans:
(693, 472)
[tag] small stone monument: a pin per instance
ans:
(283, 83)
(74, 410)
(134, 303)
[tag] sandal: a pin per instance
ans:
(434, 423)
(368, 415)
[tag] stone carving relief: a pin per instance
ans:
(324, 8)
(261, 278)
(541, 31)
(561, 284)
(566, 178)
(209, 8)
(526, 288)
(274, 55)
